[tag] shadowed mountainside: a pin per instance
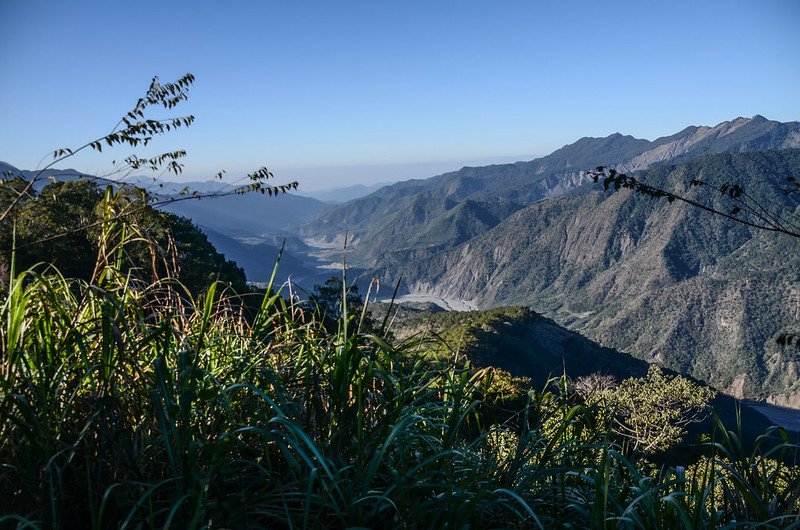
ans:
(527, 344)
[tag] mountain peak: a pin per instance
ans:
(742, 120)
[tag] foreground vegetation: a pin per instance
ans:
(129, 402)
(143, 384)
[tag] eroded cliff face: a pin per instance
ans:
(668, 283)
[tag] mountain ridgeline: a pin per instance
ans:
(394, 216)
(668, 283)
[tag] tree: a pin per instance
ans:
(331, 302)
(59, 205)
(74, 254)
(327, 299)
(138, 128)
(650, 413)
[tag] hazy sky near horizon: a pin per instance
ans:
(334, 93)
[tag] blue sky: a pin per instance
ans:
(336, 92)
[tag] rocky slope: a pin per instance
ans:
(669, 283)
(739, 135)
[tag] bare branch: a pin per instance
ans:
(763, 219)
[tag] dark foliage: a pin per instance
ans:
(61, 226)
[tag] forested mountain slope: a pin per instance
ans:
(670, 283)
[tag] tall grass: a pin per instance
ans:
(129, 404)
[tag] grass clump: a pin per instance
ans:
(133, 404)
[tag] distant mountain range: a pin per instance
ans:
(51, 175)
(702, 295)
(337, 195)
(401, 215)
(248, 215)
(249, 228)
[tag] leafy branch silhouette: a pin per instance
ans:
(743, 204)
(138, 128)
